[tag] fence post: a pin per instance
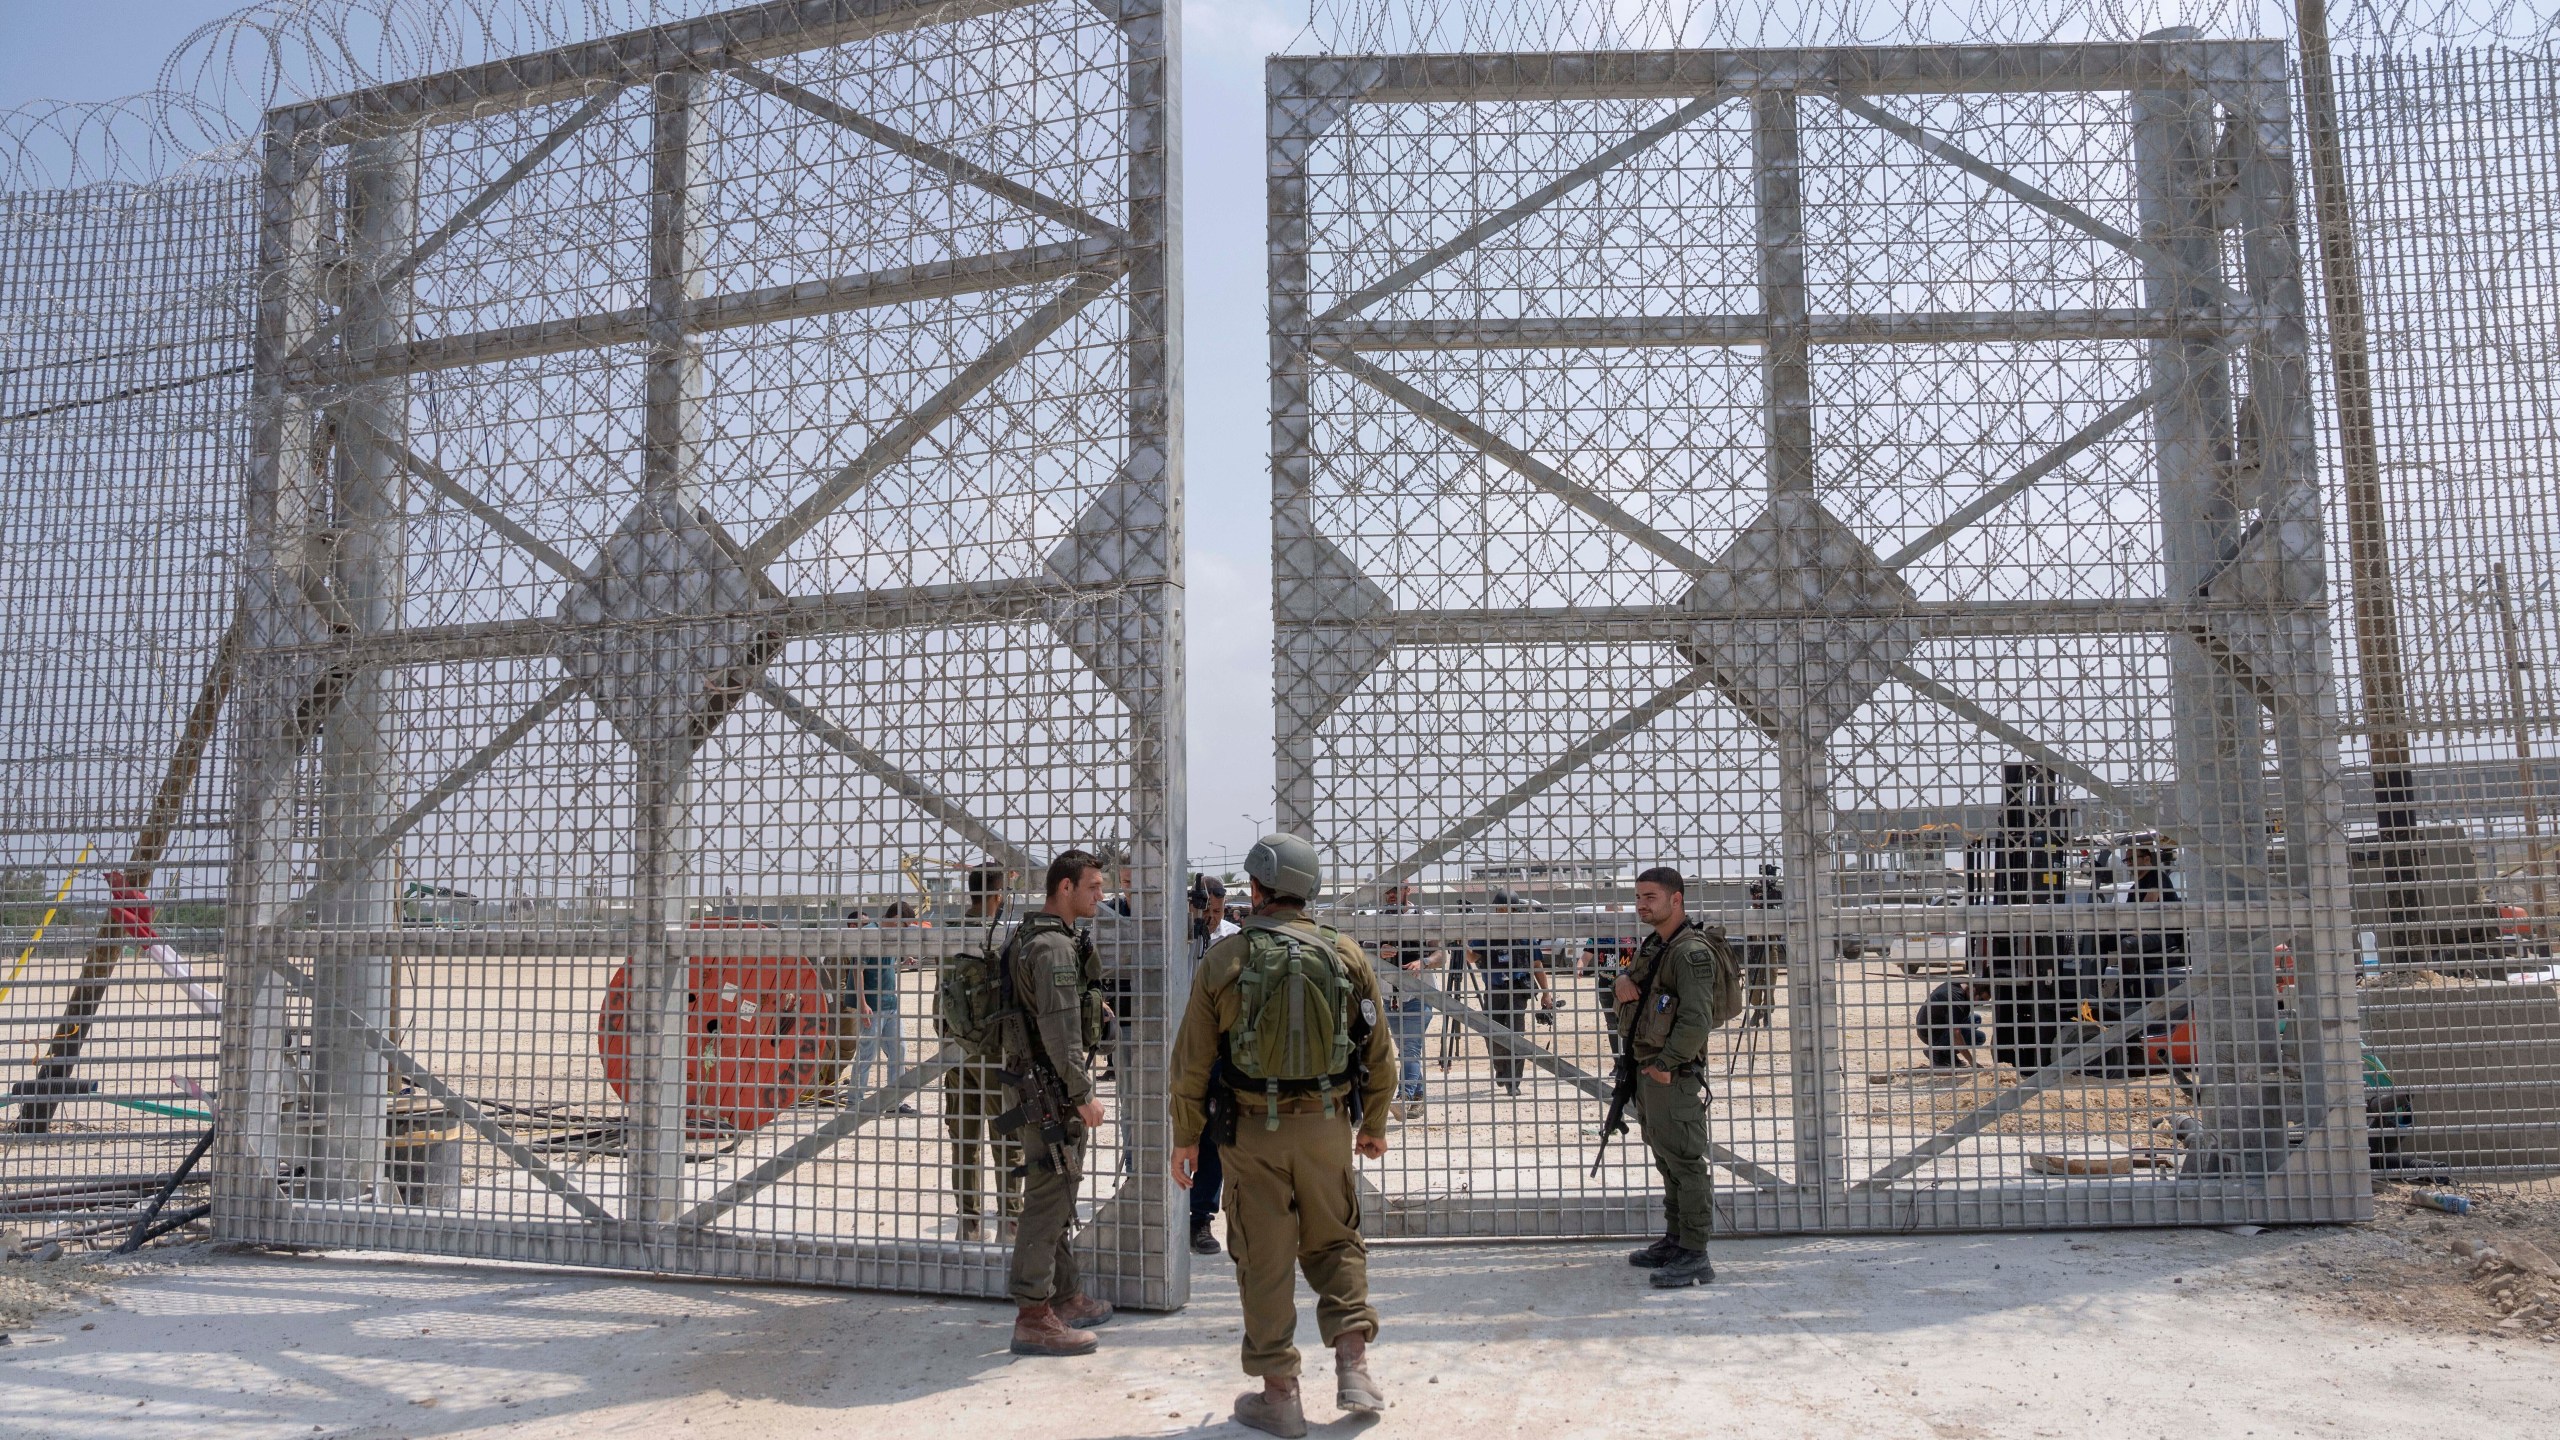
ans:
(365, 560)
(2216, 727)
(2377, 611)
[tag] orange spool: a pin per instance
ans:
(756, 1028)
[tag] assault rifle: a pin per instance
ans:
(1622, 1085)
(1043, 1110)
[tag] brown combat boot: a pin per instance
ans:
(1083, 1312)
(1273, 1412)
(1037, 1330)
(1353, 1390)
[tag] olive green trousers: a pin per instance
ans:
(1675, 1130)
(1292, 1206)
(972, 1098)
(1044, 1265)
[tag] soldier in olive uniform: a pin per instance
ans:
(1057, 981)
(1665, 998)
(971, 1098)
(1292, 1202)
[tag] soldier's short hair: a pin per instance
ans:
(1666, 877)
(1070, 868)
(985, 880)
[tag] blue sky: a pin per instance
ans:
(53, 49)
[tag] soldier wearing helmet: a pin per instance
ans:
(1283, 1021)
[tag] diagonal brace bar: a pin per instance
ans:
(454, 490)
(1524, 207)
(2028, 745)
(454, 1101)
(472, 209)
(1983, 1117)
(460, 776)
(925, 153)
(894, 443)
(1493, 447)
(1570, 1073)
(924, 797)
(1579, 754)
(1939, 148)
(909, 1084)
(2051, 460)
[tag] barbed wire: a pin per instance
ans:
(1392, 26)
(204, 110)
(215, 83)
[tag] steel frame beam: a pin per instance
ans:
(635, 58)
(769, 305)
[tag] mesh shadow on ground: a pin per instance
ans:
(1839, 1332)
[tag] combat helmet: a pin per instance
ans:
(1286, 865)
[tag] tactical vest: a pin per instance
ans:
(979, 998)
(1296, 1029)
(1724, 999)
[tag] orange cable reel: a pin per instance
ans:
(757, 1028)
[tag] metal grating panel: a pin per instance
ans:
(1879, 482)
(713, 487)
(124, 319)
(2448, 163)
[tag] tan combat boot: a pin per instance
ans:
(1273, 1411)
(1083, 1312)
(1353, 1390)
(1037, 1330)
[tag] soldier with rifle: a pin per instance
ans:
(1682, 984)
(1054, 982)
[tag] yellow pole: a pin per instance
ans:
(45, 924)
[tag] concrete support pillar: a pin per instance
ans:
(2219, 800)
(358, 797)
(664, 857)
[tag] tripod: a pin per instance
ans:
(1463, 977)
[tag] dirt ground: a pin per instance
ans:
(2196, 1334)
(31, 1289)
(2423, 1269)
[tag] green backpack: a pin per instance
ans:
(973, 997)
(1725, 997)
(1293, 1020)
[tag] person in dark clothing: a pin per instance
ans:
(1510, 979)
(1762, 956)
(1949, 1029)
(1209, 925)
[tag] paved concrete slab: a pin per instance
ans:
(2134, 1334)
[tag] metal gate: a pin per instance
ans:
(710, 530)
(1880, 483)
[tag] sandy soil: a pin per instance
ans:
(2424, 1270)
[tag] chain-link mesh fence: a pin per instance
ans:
(125, 316)
(2449, 172)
